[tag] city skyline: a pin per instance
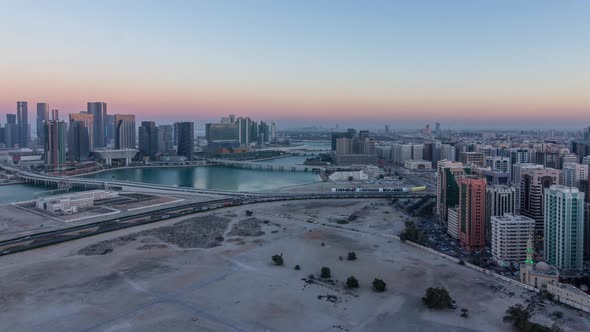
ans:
(499, 65)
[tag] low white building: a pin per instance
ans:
(453, 222)
(341, 176)
(71, 203)
(418, 164)
(510, 236)
(570, 295)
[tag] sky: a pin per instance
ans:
(464, 63)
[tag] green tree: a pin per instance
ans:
(278, 259)
(379, 285)
(352, 282)
(437, 298)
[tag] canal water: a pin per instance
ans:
(205, 177)
(11, 193)
(219, 178)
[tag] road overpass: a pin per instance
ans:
(265, 166)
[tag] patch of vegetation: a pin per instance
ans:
(278, 259)
(379, 285)
(437, 298)
(412, 233)
(352, 282)
(326, 273)
(520, 319)
(556, 315)
(351, 256)
(297, 267)
(464, 313)
(249, 213)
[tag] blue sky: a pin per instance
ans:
(302, 60)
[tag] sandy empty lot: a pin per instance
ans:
(219, 277)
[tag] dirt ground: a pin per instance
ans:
(167, 277)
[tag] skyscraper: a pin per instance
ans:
(148, 139)
(499, 201)
(125, 131)
(510, 236)
(10, 131)
(573, 173)
(78, 141)
(564, 227)
(447, 189)
(110, 128)
(165, 139)
(532, 183)
(22, 123)
(244, 131)
(99, 112)
(88, 120)
(185, 138)
(471, 212)
(55, 114)
(516, 177)
(55, 145)
(42, 116)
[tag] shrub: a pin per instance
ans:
(326, 273)
(278, 259)
(464, 313)
(437, 298)
(249, 213)
(379, 285)
(351, 256)
(352, 282)
(297, 267)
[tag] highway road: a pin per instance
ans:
(76, 232)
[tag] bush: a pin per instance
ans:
(326, 273)
(249, 213)
(519, 317)
(350, 178)
(351, 256)
(379, 285)
(297, 267)
(411, 233)
(278, 259)
(351, 283)
(437, 298)
(464, 313)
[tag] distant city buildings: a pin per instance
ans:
(42, 116)
(88, 120)
(125, 131)
(185, 138)
(165, 139)
(148, 140)
(78, 141)
(55, 145)
(99, 113)
(232, 132)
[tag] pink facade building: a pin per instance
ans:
(472, 212)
